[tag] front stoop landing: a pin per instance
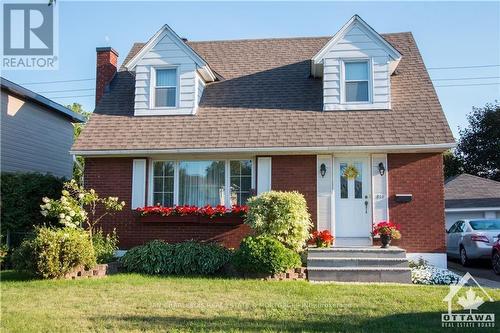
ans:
(354, 264)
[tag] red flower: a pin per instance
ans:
(321, 238)
(185, 210)
(385, 228)
(239, 210)
(209, 211)
(147, 210)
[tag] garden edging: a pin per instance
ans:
(98, 271)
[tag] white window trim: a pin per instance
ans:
(152, 89)
(150, 179)
(176, 161)
(228, 175)
(343, 99)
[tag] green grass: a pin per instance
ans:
(135, 303)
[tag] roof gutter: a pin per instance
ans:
(438, 147)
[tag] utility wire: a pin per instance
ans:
(437, 86)
(69, 90)
(430, 68)
(62, 81)
(72, 96)
(446, 85)
(468, 78)
(459, 67)
(467, 85)
(450, 85)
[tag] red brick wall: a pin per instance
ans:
(296, 173)
(422, 220)
(113, 177)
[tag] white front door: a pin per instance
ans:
(352, 200)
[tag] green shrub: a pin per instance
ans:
(199, 258)
(21, 197)
(151, 258)
(263, 254)
(105, 246)
(189, 258)
(281, 215)
(52, 253)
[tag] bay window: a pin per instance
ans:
(200, 182)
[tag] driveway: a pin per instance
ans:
(480, 270)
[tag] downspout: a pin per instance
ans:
(79, 166)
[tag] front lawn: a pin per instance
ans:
(129, 302)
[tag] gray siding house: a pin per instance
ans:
(471, 197)
(36, 133)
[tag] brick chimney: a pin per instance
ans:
(107, 60)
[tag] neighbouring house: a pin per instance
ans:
(471, 197)
(36, 134)
(211, 122)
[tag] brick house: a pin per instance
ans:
(195, 123)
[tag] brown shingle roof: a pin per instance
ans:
(268, 99)
(471, 191)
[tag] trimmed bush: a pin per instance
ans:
(21, 197)
(187, 258)
(53, 253)
(105, 246)
(199, 258)
(281, 215)
(151, 258)
(263, 254)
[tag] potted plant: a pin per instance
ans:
(387, 231)
(321, 238)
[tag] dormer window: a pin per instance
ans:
(356, 66)
(165, 88)
(356, 81)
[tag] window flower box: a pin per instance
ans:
(191, 214)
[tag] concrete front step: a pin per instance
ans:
(357, 262)
(356, 252)
(360, 274)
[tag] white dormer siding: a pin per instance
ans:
(164, 57)
(200, 86)
(359, 43)
(355, 46)
(165, 54)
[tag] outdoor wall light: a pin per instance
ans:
(381, 168)
(322, 169)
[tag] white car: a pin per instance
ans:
(472, 239)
